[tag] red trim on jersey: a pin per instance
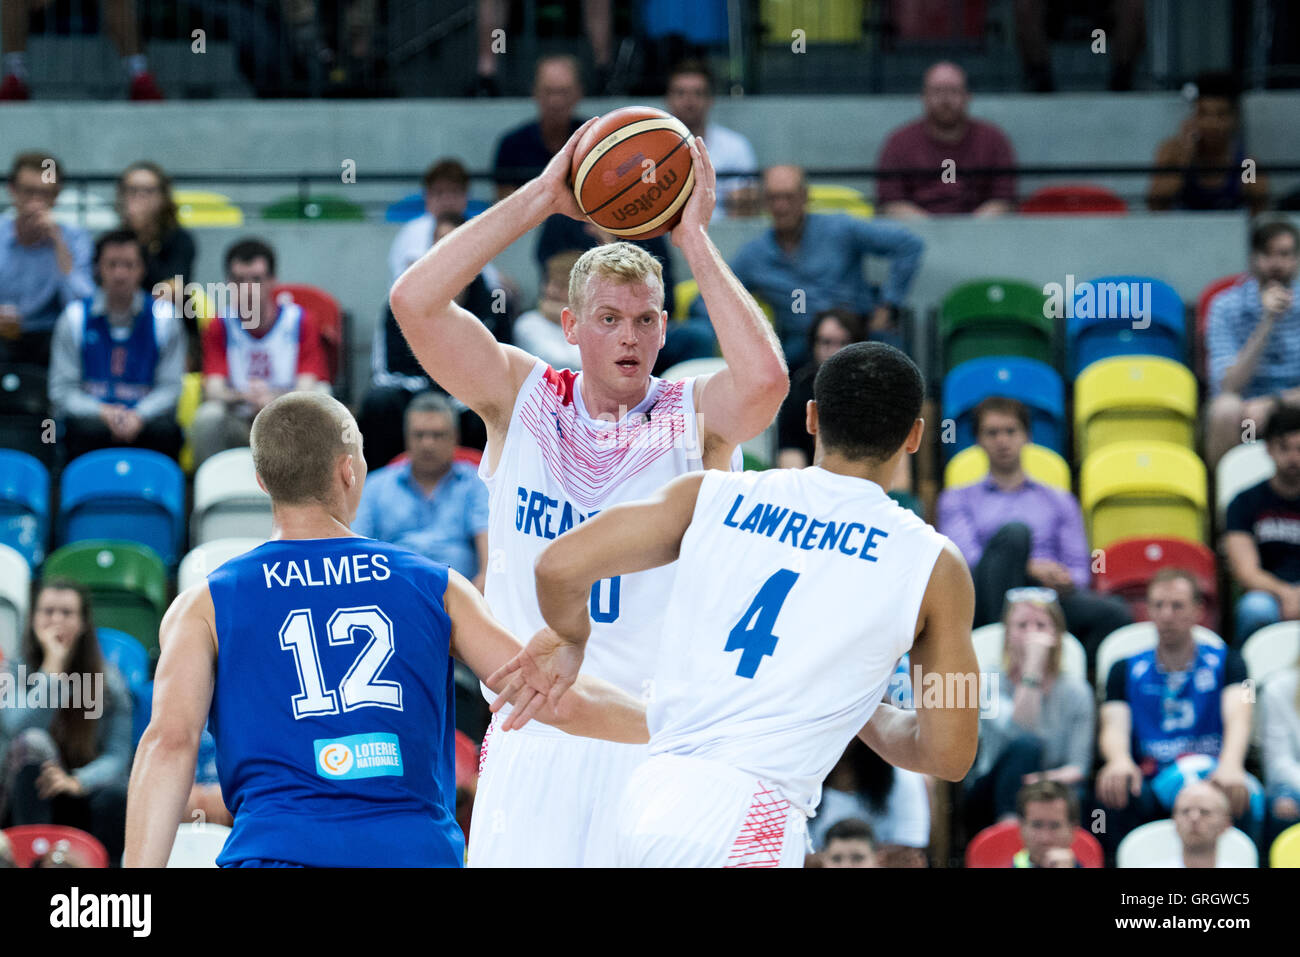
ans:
(311, 351)
(762, 836)
(482, 751)
(561, 382)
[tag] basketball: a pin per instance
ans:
(632, 172)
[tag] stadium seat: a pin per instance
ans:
(685, 292)
(1128, 396)
(24, 505)
(24, 411)
(1241, 467)
(209, 557)
(1034, 383)
(133, 495)
(132, 660)
(1131, 563)
(1285, 851)
(827, 198)
(1041, 464)
(1203, 318)
(197, 208)
(186, 408)
(1102, 322)
(989, 641)
(1272, 649)
(198, 844)
(997, 846)
(15, 594)
(1133, 640)
(995, 317)
(127, 582)
(31, 842)
(85, 210)
(834, 21)
(1157, 843)
(409, 207)
(1143, 490)
(325, 309)
(332, 208)
(1073, 199)
(228, 502)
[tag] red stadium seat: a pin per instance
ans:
(325, 309)
(462, 454)
(1074, 199)
(1203, 316)
(31, 842)
(996, 846)
(1130, 565)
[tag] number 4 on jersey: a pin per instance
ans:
(753, 635)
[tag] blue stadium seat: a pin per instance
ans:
(24, 505)
(129, 657)
(126, 494)
(411, 207)
(1034, 383)
(1102, 323)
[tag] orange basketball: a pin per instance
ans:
(632, 172)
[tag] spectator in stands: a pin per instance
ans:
(1279, 729)
(430, 503)
(1253, 341)
(1201, 816)
(830, 331)
(1262, 537)
(1208, 141)
(894, 801)
(810, 262)
(598, 24)
(1125, 30)
(675, 30)
(540, 331)
(690, 99)
(446, 190)
(1042, 727)
(524, 152)
(1016, 531)
(943, 136)
(123, 27)
(396, 376)
(117, 359)
(43, 266)
(849, 843)
(1048, 812)
(65, 737)
(146, 207)
(257, 350)
(1177, 699)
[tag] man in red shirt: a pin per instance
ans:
(254, 350)
(944, 143)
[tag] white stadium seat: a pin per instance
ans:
(989, 640)
(15, 593)
(1156, 844)
(1238, 470)
(197, 845)
(210, 556)
(228, 502)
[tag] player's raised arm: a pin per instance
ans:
(457, 350)
(742, 400)
(164, 760)
(937, 740)
(591, 707)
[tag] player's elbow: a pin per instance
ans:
(164, 739)
(957, 758)
(549, 570)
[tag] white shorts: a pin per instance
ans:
(689, 812)
(548, 799)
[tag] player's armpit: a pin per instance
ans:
(163, 771)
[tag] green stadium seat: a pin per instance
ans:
(127, 583)
(995, 317)
(316, 207)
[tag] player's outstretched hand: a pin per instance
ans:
(555, 177)
(699, 206)
(536, 677)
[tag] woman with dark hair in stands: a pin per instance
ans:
(830, 332)
(65, 735)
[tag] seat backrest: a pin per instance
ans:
(694, 367)
(24, 481)
(31, 842)
(1203, 303)
(121, 473)
(1241, 467)
(1133, 640)
(1133, 382)
(198, 844)
(993, 299)
(210, 556)
(106, 565)
(1142, 468)
(1073, 199)
(227, 476)
(1040, 463)
(1272, 649)
(325, 309)
(1105, 299)
(997, 846)
(1034, 383)
(126, 654)
(1285, 851)
(989, 641)
(1151, 845)
(1133, 562)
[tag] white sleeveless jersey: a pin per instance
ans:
(273, 357)
(796, 593)
(558, 468)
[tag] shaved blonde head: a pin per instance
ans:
(616, 262)
(296, 441)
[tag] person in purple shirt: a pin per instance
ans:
(1015, 532)
(946, 133)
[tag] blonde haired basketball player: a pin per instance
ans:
(796, 593)
(564, 446)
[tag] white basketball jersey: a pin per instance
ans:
(558, 468)
(796, 593)
(273, 357)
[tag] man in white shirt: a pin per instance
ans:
(690, 98)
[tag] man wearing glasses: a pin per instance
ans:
(43, 266)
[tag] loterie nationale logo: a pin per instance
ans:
(358, 756)
(336, 759)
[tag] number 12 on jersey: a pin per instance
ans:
(753, 634)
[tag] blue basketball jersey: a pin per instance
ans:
(333, 706)
(119, 370)
(1176, 713)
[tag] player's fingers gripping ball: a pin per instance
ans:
(632, 172)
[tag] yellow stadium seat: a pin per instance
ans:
(825, 21)
(202, 208)
(1285, 851)
(684, 293)
(828, 198)
(1134, 397)
(186, 408)
(1040, 463)
(1142, 489)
